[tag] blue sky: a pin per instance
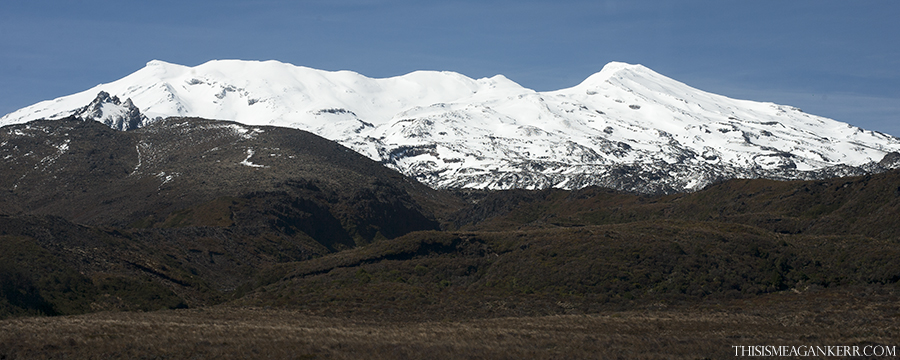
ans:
(839, 59)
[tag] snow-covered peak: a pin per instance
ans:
(610, 70)
(450, 130)
(164, 65)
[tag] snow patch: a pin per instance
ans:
(247, 162)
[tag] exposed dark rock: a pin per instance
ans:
(113, 112)
(890, 160)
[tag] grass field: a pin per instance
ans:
(845, 317)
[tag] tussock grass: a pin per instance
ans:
(840, 317)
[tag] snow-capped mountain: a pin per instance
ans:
(625, 127)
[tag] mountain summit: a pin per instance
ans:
(625, 127)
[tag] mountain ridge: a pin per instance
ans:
(625, 127)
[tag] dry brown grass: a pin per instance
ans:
(699, 331)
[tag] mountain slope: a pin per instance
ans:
(625, 127)
(161, 174)
(182, 212)
(864, 205)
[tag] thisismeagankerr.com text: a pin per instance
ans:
(803, 350)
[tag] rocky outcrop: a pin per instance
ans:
(113, 112)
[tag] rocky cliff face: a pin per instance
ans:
(112, 112)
